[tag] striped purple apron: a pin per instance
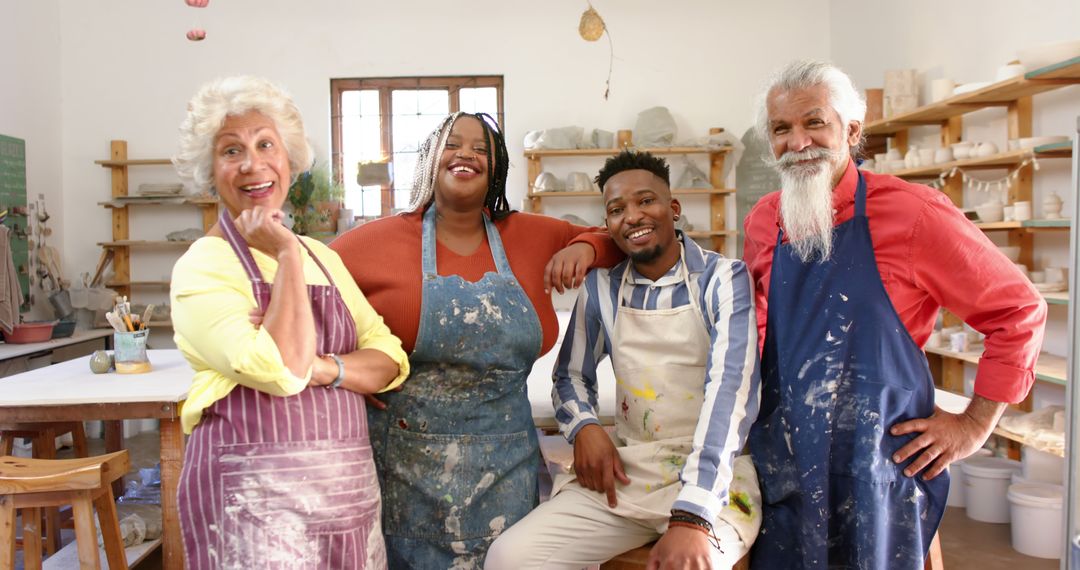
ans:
(284, 482)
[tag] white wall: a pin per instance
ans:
(128, 70)
(30, 54)
(967, 40)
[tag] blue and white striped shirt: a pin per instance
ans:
(732, 377)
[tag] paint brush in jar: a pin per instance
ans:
(145, 320)
(115, 321)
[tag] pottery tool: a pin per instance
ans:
(145, 320)
(103, 262)
(115, 321)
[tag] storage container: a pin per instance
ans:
(1041, 466)
(986, 484)
(956, 478)
(1037, 519)
(28, 332)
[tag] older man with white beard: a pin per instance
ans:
(850, 270)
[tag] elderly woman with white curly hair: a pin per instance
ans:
(278, 469)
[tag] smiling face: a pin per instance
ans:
(640, 216)
(463, 166)
(806, 133)
(251, 166)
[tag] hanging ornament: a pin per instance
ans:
(197, 3)
(591, 26)
(196, 34)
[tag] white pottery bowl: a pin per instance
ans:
(962, 150)
(547, 182)
(989, 213)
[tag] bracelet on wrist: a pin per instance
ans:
(340, 371)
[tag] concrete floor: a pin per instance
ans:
(966, 544)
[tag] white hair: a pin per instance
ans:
(231, 96)
(843, 96)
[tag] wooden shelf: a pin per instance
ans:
(614, 151)
(1000, 160)
(1027, 226)
(145, 243)
(137, 283)
(1049, 367)
(158, 201)
(712, 233)
(995, 95)
(1060, 298)
(674, 192)
(134, 162)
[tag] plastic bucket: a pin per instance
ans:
(956, 478)
(1075, 552)
(1042, 466)
(1037, 522)
(129, 352)
(986, 483)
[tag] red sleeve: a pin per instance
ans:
(607, 253)
(759, 241)
(962, 270)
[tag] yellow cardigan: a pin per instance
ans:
(211, 300)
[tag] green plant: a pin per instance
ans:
(315, 186)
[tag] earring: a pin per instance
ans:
(676, 217)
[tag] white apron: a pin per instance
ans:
(659, 357)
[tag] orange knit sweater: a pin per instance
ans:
(383, 257)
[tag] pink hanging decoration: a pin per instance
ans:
(196, 34)
(197, 3)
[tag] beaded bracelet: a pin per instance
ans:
(679, 516)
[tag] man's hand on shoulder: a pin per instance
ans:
(682, 548)
(596, 462)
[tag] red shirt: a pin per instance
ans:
(929, 256)
(383, 257)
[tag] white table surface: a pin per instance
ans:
(72, 382)
(12, 350)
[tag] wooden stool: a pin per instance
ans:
(84, 483)
(42, 436)
(637, 558)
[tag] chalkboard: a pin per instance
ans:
(753, 177)
(13, 199)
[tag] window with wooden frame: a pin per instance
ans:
(386, 120)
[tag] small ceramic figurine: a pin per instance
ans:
(1052, 206)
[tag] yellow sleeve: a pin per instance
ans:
(371, 331)
(211, 302)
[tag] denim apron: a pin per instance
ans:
(839, 369)
(283, 482)
(456, 448)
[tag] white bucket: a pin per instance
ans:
(956, 478)
(1037, 523)
(986, 482)
(1042, 466)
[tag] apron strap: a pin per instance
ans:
(428, 260)
(690, 294)
(860, 197)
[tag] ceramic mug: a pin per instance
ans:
(942, 155)
(941, 89)
(1022, 211)
(1009, 212)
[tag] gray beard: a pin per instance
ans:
(806, 202)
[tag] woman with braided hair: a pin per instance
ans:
(465, 283)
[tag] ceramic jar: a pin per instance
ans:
(1052, 206)
(1022, 211)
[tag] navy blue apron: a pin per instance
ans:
(839, 369)
(456, 449)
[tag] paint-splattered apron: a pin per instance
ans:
(839, 369)
(456, 449)
(284, 482)
(659, 357)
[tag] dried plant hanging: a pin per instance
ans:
(590, 29)
(196, 34)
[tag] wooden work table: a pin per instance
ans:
(69, 391)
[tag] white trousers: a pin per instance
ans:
(572, 531)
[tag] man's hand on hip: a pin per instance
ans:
(596, 462)
(681, 548)
(945, 437)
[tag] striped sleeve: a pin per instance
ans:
(732, 389)
(574, 377)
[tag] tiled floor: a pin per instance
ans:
(967, 544)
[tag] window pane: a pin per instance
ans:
(404, 167)
(361, 139)
(479, 100)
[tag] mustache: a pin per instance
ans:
(792, 158)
